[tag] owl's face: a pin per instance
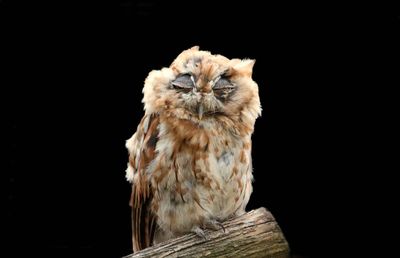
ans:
(199, 85)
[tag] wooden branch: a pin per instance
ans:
(254, 234)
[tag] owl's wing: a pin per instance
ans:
(142, 151)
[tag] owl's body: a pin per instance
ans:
(190, 158)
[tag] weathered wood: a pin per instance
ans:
(254, 234)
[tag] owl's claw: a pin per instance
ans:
(199, 232)
(214, 224)
(208, 224)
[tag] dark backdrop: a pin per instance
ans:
(76, 73)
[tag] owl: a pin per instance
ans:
(190, 159)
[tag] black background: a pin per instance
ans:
(74, 78)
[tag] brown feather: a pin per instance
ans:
(143, 220)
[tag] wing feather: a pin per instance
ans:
(142, 149)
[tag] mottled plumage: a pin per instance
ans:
(190, 158)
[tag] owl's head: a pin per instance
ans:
(199, 85)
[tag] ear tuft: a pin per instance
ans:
(194, 48)
(245, 67)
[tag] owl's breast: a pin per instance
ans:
(201, 173)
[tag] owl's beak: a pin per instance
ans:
(200, 111)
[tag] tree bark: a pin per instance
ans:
(254, 234)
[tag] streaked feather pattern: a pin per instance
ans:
(190, 158)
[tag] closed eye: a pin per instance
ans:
(223, 84)
(183, 83)
(223, 89)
